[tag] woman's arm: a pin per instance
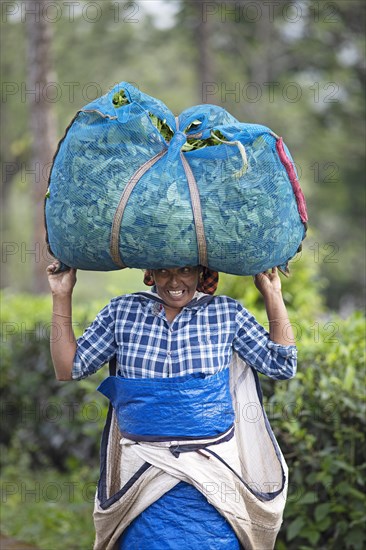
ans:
(280, 329)
(62, 338)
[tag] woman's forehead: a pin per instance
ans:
(177, 269)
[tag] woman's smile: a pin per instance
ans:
(176, 293)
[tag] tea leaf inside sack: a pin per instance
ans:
(193, 143)
(120, 99)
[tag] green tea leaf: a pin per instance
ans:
(321, 511)
(295, 527)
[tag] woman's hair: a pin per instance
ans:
(207, 281)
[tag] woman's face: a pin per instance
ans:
(176, 286)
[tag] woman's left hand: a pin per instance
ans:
(268, 282)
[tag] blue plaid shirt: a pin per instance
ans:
(201, 338)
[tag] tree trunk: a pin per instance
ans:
(205, 74)
(43, 130)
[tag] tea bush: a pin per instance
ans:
(54, 424)
(319, 420)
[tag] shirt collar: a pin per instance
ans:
(199, 298)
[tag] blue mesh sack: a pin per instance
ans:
(133, 186)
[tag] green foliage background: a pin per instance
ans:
(50, 430)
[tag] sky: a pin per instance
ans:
(162, 11)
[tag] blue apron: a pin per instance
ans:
(186, 407)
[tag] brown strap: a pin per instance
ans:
(117, 221)
(196, 207)
(197, 212)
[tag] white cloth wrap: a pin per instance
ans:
(252, 453)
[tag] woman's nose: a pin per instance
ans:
(174, 280)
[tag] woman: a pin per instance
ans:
(178, 329)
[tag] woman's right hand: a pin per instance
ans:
(61, 284)
(62, 339)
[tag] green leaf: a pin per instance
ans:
(346, 489)
(311, 535)
(119, 99)
(349, 377)
(295, 527)
(325, 523)
(309, 498)
(342, 465)
(321, 511)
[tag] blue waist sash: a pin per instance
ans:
(183, 407)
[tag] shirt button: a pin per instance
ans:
(169, 353)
